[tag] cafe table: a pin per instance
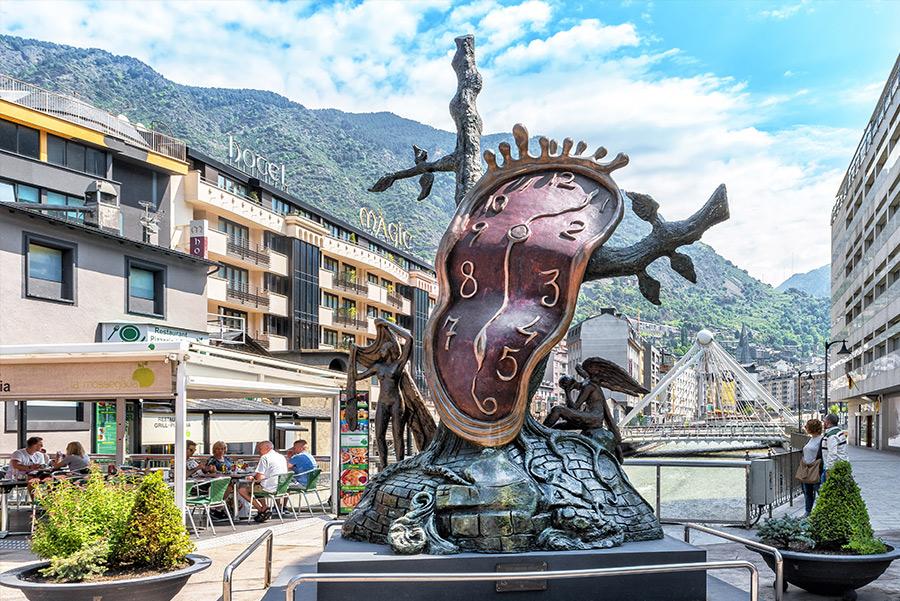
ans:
(236, 477)
(6, 487)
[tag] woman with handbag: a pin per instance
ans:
(809, 472)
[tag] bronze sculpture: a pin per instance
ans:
(399, 403)
(596, 419)
(525, 236)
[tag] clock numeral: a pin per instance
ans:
(498, 202)
(605, 202)
(450, 324)
(516, 187)
(545, 300)
(507, 356)
(523, 330)
(564, 180)
(468, 272)
(478, 228)
(575, 227)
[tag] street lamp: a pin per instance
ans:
(800, 377)
(844, 351)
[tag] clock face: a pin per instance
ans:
(510, 267)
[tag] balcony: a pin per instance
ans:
(343, 282)
(249, 296)
(395, 300)
(349, 319)
(208, 196)
(243, 250)
(278, 304)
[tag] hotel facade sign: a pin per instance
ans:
(392, 231)
(254, 164)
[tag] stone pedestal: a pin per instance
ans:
(346, 556)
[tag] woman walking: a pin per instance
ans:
(812, 464)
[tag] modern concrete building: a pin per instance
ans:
(612, 336)
(549, 392)
(865, 269)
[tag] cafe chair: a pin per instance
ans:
(281, 493)
(311, 487)
(214, 497)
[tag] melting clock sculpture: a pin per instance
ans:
(525, 235)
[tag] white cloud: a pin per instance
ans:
(786, 11)
(561, 77)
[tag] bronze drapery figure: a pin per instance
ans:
(399, 403)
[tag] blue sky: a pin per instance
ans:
(767, 97)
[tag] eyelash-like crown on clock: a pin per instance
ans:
(548, 159)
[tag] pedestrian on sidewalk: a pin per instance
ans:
(810, 471)
(834, 444)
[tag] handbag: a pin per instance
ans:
(810, 473)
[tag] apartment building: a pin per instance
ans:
(293, 277)
(612, 336)
(865, 270)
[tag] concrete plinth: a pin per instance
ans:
(346, 556)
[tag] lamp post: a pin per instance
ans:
(844, 351)
(800, 377)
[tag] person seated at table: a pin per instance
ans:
(27, 459)
(271, 464)
(218, 463)
(75, 458)
(302, 462)
(192, 466)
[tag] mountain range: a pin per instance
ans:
(816, 282)
(332, 157)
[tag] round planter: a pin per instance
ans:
(159, 587)
(832, 575)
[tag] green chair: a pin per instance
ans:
(214, 497)
(281, 492)
(312, 480)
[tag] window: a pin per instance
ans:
(329, 300)
(372, 312)
(50, 416)
(237, 233)
(280, 206)
(277, 325)
(146, 288)
(238, 279)
(19, 139)
(275, 242)
(7, 192)
(385, 283)
(372, 278)
(229, 185)
(347, 340)
(387, 315)
(49, 269)
(329, 264)
(57, 199)
(276, 283)
(329, 337)
(27, 194)
(76, 156)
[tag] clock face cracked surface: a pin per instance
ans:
(509, 268)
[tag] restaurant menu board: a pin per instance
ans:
(105, 428)
(354, 455)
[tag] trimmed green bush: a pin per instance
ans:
(840, 520)
(155, 536)
(88, 529)
(787, 532)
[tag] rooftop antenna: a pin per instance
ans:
(149, 221)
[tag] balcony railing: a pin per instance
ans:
(245, 251)
(247, 295)
(79, 112)
(395, 300)
(350, 319)
(351, 285)
(262, 338)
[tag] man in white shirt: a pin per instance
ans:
(271, 464)
(834, 443)
(30, 458)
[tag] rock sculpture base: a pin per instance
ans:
(546, 490)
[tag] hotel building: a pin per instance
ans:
(865, 270)
(292, 277)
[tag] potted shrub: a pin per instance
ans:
(834, 551)
(105, 541)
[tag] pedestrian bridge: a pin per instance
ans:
(662, 433)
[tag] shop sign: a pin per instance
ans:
(354, 449)
(393, 231)
(254, 164)
(200, 238)
(147, 332)
(85, 380)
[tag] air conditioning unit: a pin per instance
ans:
(762, 482)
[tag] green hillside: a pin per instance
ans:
(332, 157)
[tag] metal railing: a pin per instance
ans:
(779, 561)
(296, 581)
(77, 111)
(326, 530)
(347, 318)
(266, 537)
(724, 431)
(242, 249)
(247, 295)
(351, 285)
(395, 300)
